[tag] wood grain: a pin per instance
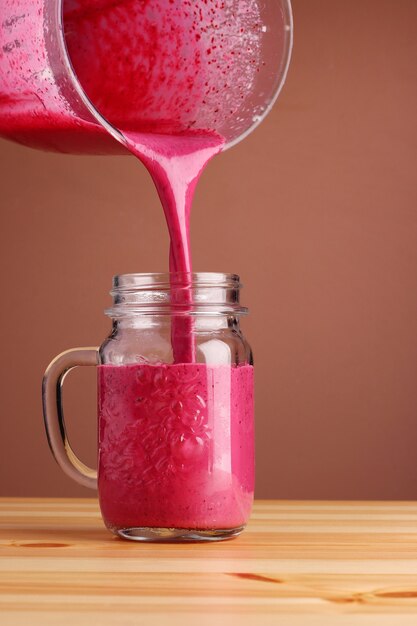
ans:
(298, 563)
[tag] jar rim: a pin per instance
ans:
(166, 280)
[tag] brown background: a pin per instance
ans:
(317, 212)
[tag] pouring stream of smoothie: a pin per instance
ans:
(175, 164)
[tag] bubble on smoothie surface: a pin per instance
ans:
(164, 65)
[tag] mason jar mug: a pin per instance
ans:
(175, 409)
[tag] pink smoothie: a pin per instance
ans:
(176, 445)
(176, 441)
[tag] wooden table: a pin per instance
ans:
(298, 563)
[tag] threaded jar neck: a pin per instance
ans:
(201, 293)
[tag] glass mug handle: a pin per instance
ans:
(53, 413)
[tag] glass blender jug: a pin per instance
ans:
(240, 59)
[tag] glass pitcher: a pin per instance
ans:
(45, 103)
(175, 440)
